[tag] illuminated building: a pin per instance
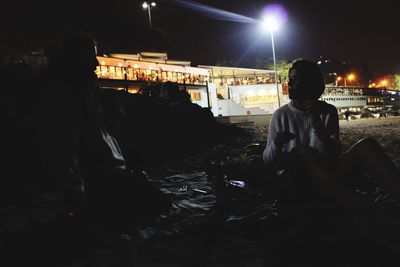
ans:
(244, 91)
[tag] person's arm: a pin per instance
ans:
(271, 150)
(58, 134)
(328, 131)
(272, 153)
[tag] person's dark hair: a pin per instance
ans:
(74, 43)
(311, 74)
(171, 89)
(74, 48)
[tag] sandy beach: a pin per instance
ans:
(384, 130)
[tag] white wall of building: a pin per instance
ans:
(261, 99)
(203, 102)
(261, 96)
(258, 99)
(228, 107)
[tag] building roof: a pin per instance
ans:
(233, 71)
(154, 57)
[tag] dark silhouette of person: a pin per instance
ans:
(347, 115)
(46, 123)
(70, 187)
(68, 83)
(305, 149)
(79, 158)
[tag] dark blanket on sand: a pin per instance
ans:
(253, 228)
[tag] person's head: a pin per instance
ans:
(171, 89)
(76, 55)
(306, 81)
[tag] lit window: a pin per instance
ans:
(195, 96)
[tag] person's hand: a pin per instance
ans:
(310, 106)
(282, 138)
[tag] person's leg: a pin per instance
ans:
(307, 162)
(368, 156)
(127, 199)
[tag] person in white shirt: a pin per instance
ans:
(304, 148)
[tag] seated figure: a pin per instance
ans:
(305, 150)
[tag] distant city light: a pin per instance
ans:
(351, 77)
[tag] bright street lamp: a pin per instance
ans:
(338, 78)
(350, 78)
(148, 6)
(271, 24)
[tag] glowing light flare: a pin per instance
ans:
(270, 24)
(383, 82)
(351, 77)
(213, 12)
(145, 5)
(339, 78)
(274, 16)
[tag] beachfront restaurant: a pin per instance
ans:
(129, 71)
(227, 91)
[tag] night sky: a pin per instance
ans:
(351, 31)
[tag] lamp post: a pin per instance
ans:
(148, 6)
(271, 25)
